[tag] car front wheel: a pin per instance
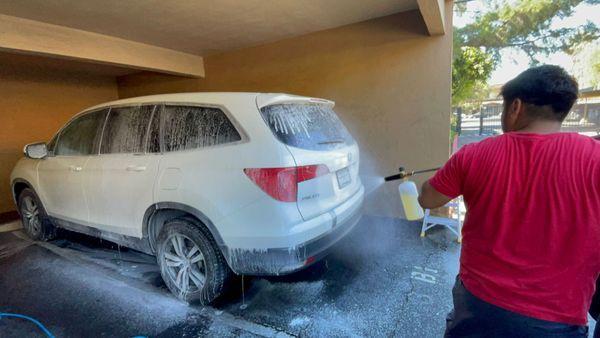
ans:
(34, 218)
(190, 263)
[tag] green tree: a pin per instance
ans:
(595, 66)
(522, 24)
(471, 68)
(586, 65)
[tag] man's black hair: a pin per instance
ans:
(543, 87)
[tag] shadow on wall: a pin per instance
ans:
(38, 96)
(8, 159)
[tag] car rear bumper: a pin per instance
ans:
(280, 261)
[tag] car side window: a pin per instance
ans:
(50, 145)
(189, 127)
(125, 130)
(153, 143)
(82, 135)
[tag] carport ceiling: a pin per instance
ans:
(203, 27)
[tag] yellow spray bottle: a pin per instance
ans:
(409, 194)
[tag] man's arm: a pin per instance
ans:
(431, 198)
(446, 184)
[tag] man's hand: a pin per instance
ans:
(431, 198)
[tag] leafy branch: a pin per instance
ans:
(522, 24)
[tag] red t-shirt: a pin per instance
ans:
(531, 237)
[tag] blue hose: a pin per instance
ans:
(15, 315)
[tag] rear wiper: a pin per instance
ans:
(331, 142)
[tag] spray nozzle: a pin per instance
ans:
(403, 173)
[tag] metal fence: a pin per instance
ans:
(485, 121)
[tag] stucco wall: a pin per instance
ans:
(34, 103)
(390, 80)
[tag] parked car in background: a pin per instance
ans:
(213, 184)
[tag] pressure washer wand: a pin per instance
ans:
(425, 170)
(403, 173)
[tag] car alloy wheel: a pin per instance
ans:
(185, 263)
(31, 216)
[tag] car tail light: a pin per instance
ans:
(282, 183)
(308, 172)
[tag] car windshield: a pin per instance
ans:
(307, 126)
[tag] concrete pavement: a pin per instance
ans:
(382, 280)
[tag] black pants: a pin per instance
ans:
(472, 317)
(595, 309)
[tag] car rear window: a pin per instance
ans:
(307, 126)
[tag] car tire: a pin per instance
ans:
(35, 221)
(190, 262)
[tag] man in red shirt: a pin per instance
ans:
(531, 238)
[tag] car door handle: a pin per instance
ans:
(136, 168)
(75, 168)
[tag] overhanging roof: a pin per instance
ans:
(171, 36)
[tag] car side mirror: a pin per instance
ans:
(36, 150)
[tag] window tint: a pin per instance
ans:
(196, 127)
(81, 136)
(125, 130)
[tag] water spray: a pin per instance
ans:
(409, 194)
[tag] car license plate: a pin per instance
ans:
(343, 177)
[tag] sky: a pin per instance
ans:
(514, 61)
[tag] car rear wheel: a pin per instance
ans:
(190, 262)
(33, 216)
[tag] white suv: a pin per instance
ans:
(211, 183)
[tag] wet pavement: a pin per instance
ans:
(381, 280)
